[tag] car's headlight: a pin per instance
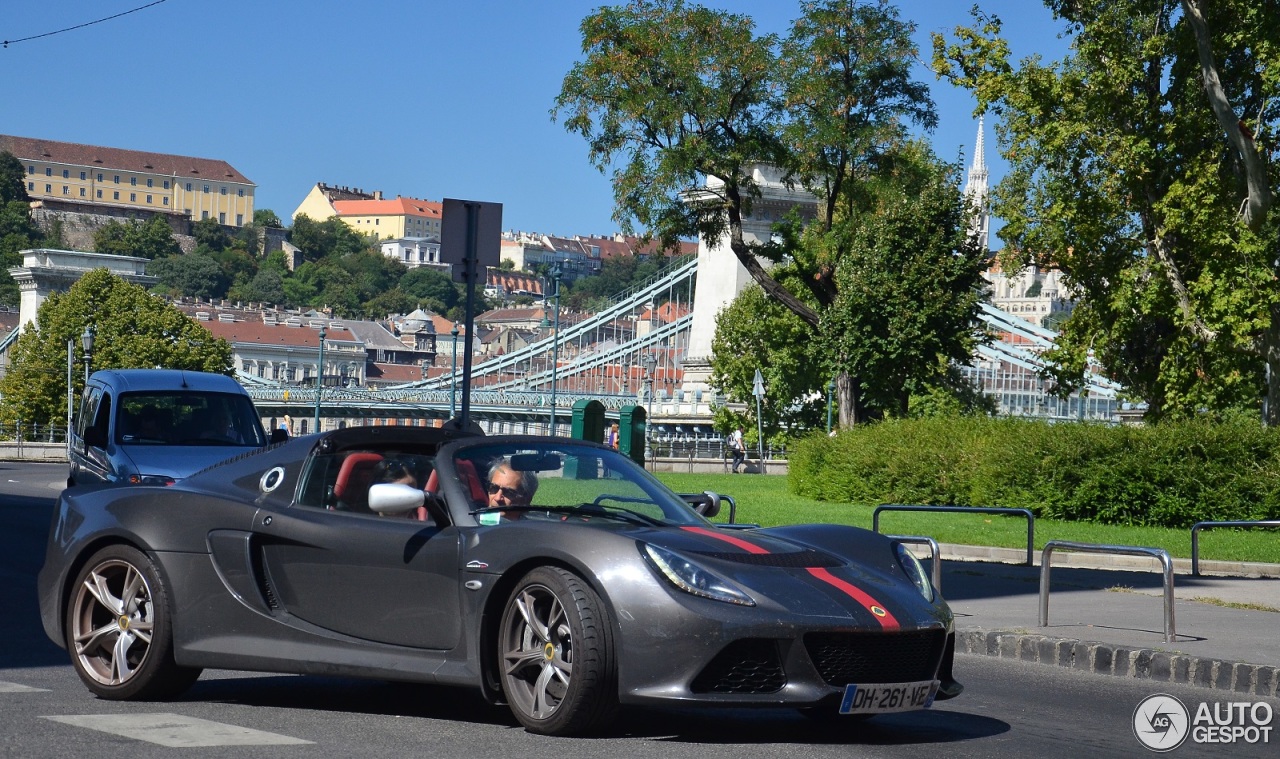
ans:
(915, 570)
(692, 578)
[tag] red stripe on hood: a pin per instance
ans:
(886, 620)
(739, 542)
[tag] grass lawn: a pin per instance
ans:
(766, 500)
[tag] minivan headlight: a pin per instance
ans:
(693, 578)
(151, 479)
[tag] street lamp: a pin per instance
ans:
(86, 340)
(555, 341)
(319, 379)
(453, 374)
(650, 363)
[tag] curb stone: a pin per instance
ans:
(1118, 661)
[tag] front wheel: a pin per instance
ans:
(119, 631)
(555, 648)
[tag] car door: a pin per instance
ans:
(385, 579)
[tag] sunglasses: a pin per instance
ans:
(510, 493)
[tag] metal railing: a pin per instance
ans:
(32, 432)
(1170, 635)
(1026, 513)
(1195, 536)
(935, 574)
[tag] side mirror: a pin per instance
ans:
(279, 435)
(95, 437)
(394, 498)
(705, 503)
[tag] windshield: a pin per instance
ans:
(561, 481)
(188, 418)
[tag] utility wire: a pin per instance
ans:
(81, 26)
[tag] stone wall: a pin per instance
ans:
(81, 223)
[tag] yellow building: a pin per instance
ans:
(373, 215)
(89, 175)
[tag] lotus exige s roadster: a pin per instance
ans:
(553, 575)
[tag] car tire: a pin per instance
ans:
(556, 656)
(119, 629)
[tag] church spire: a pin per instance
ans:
(975, 191)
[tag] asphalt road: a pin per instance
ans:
(1008, 709)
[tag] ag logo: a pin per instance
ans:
(1160, 722)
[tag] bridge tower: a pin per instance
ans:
(721, 276)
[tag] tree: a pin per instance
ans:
(210, 234)
(265, 217)
(670, 95)
(906, 281)
(319, 239)
(195, 275)
(150, 239)
(1140, 167)
(427, 284)
(757, 332)
(132, 330)
(267, 286)
(17, 230)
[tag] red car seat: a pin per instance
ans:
(354, 478)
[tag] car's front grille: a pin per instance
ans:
(876, 657)
(751, 665)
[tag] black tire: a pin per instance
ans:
(119, 629)
(555, 655)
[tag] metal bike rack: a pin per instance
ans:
(1170, 636)
(1195, 537)
(1031, 520)
(935, 560)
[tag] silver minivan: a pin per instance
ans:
(156, 426)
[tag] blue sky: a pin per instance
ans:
(430, 99)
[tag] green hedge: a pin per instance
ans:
(1168, 475)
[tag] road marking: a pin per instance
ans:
(15, 688)
(175, 730)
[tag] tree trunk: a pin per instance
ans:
(1271, 355)
(849, 393)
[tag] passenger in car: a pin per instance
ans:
(396, 472)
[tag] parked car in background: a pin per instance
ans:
(157, 426)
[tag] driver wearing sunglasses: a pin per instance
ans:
(507, 487)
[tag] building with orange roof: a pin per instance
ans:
(79, 176)
(372, 214)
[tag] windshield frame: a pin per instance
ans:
(586, 462)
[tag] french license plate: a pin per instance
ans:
(888, 697)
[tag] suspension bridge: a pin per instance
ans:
(633, 351)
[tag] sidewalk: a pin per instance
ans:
(1106, 615)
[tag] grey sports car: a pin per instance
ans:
(553, 575)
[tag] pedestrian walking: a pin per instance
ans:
(738, 448)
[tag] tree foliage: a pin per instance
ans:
(756, 332)
(151, 239)
(132, 329)
(1141, 165)
(195, 274)
(17, 231)
(906, 302)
